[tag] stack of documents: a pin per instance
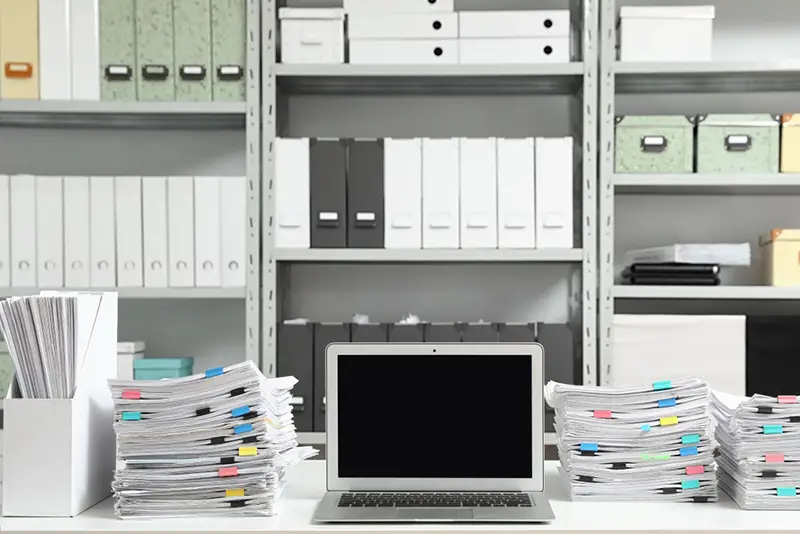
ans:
(216, 443)
(724, 254)
(759, 450)
(648, 443)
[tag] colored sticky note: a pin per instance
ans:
(132, 394)
(242, 410)
(241, 429)
(589, 447)
(695, 470)
(655, 457)
(690, 438)
(646, 427)
(131, 416)
(690, 484)
(664, 384)
(248, 451)
(787, 492)
(216, 371)
(666, 403)
(234, 493)
(602, 414)
(671, 420)
(787, 399)
(228, 471)
(688, 451)
(774, 458)
(773, 429)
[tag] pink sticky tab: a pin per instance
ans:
(695, 470)
(787, 399)
(132, 394)
(602, 414)
(774, 458)
(228, 471)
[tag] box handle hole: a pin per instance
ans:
(438, 51)
(437, 25)
(548, 23)
(548, 50)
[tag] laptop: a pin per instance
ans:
(434, 433)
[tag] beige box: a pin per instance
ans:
(790, 142)
(780, 254)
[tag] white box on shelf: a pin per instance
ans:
(440, 196)
(50, 231)
(554, 192)
(666, 33)
(312, 35)
(510, 24)
(22, 195)
(5, 233)
(516, 193)
(478, 190)
(292, 193)
(55, 63)
(102, 229)
(402, 26)
(519, 50)
(77, 214)
(233, 194)
(154, 227)
(127, 353)
(398, 6)
(207, 231)
(85, 49)
(129, 231)
(180, 228)
(404, 52)
(402, 183)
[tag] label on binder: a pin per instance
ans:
(242, 410)
(773, 429)
(690, 438)
(602, 414)
(666, 403)
(592, 447)
(248, 451)
(132, 394)
(216, 371)
(688, 451)
(695, 470)
(690, 484)
(787, 492)
(241, 429)
(664, 384)
(131, 416)
(774, 458)
(667, 421)
(234, 493)
(787, 399)
(228, 471)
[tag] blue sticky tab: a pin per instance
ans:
(241, 429)
(666, 403)
(787, 492)
(664, 384)
(592, 447)
(690, 484)
(242, 410)
(688, 451)
(690, 438)
(131, 416)
(773, 429)
(216, 371)
(646, 427)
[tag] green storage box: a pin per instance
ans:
(654, 144)
(158, 368)
(738, 143)
(6, 372)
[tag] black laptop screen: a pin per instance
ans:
(435, 416)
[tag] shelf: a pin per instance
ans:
(707, 77)
(106, 114)
(350, 255)
(706, 184)
(707, 293)
(544, 78)
(142, 292)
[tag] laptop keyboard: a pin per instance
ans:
(435, 500)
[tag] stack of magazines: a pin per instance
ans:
(212, 444)
(650, 443)
(759, 450)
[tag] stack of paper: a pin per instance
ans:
(759, 450)
(216, 443)
(636, 443)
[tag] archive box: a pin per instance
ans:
(780, 256)
(666, 33)
(158, 368)
(738, 143)
(312, 35)
(654, 144)
(790, 142)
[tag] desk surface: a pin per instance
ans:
(307, 485)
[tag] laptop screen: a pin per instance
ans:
(402, 416)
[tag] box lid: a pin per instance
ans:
(161, 363)
(791, 119)
(777, 234)
(315, 13)
(735, 119)
(130, 347)
(667, 12)
(655, 120)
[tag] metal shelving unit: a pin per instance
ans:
(706, 293)
(705, 184)
(227, 293)
(428, 256)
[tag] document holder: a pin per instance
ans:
(328, 163)
(559, 361)
(296, 358)
(365, 192)
(478, 333)
(369, 333)
(406, 333)
(517, 333)
(324, 335)
(442, 333)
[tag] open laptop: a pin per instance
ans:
(434, 433)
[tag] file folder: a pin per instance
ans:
(22, 195)
(19, 49)
(440, 197)
(369, 333)
(516, 332)
(85, 49)
(478, 193)
(365, 193)
(406, 333)
(229, 49)
(77, 212)
(402, 175)
(771, 342)
(442, 333)
(155, 54)
(118, 50)
(55, 62)
(516, 195)
(233, 194)
(102, 239)
(180, 227)
(5, 232)
(128, 192)
(479, 333)
(328, 193)
(560, 363)
(554, 192)
(296, 358)
(324, 335)
(207, 231)
(292, 193)
(154, 227)
(50, 231)
(192, 19)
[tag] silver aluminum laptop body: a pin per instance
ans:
(382, 397)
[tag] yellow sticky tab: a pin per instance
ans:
(253, 451)
(234, 493)
(672, 420)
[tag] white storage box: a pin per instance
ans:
(312, 35)
(127, 352)
(405, 52)
(510, 24)
(402, 26)
(535, 50)
(666, 33)
(398, 6)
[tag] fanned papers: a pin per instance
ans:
(212, 444)
(650, 443)
(759, 450)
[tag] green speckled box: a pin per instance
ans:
(654, 144)
(117, 50)
(229, 49)
(155, 55)
(6, 371)
(738, 144)
(192, 20)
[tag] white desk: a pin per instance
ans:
(307, 484)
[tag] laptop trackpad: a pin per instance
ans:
(434, 513)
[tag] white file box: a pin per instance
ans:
(207, 229)
(398, 6)
(666, 33)
(554, 192)
(402, 182)
(511, 24)
(404, 52)
(127, 353)
(520, 50)
(233, 192)
(85, 49)
(55, 62)
(362, 26)
(50, 231)
(478, 193)
(154, 227)
(516, 195)
(5, 233)
(310, 35)
(103, 239)
(180, 227)
(292, 193)
(129, 231)
(440, 193)
(77, 213)
(58, 454)
(22, 191)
